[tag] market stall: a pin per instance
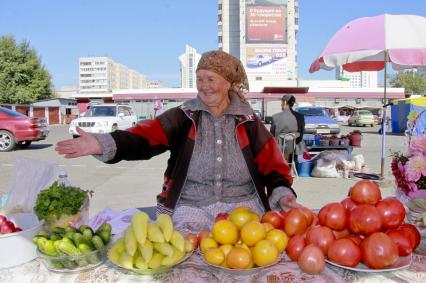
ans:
(121, 234)
(195, 270)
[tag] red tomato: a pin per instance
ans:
(321, 236)
(345, 252)
(311, 260)
(315, 222)
(295, 223)
(364, 219)
(402, 241)
(366, 191)
(354, 238)
(308, 214)
(295, 246)
(348, 203)
(412, 232)
(392, 212)
(283, 215)
(379, 251)
(341, 234)
(202, 235)
(274, 218)
(333, 215)
(193, 239)
(221, 216)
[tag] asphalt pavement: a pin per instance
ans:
(130, 184)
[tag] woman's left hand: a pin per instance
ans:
(288, 202)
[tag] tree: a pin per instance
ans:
(411, 81)
(23, 79)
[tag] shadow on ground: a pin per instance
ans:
(35, 146)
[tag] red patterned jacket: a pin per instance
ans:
(175, 130)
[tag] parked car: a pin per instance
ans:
(318, 121)
(19, 129)
(361, 118)
(104, 118)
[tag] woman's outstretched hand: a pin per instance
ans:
(86, 144)
(288, 202)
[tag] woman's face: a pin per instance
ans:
(213, 91)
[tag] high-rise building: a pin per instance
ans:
(358, 79)
(188, 65)
(102, 74)
(262, 34)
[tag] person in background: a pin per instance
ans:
(221, 154)
(289, 122)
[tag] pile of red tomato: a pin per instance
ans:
(361, 228)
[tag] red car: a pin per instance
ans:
(18, 129)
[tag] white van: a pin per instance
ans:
(104, 118)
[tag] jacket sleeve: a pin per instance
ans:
(147, 138)
(271, 166)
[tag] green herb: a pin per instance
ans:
(59, 200)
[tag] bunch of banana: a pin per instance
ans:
(149, 245)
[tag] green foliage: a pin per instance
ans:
(23, 79)
(59, 200)
(411, 81)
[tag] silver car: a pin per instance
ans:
(361, 118)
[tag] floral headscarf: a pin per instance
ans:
(228, 67)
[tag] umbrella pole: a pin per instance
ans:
(382, 163)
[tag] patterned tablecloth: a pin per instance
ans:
(195, 270)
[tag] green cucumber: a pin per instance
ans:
(105, 236)
(44, 233)
(68, 248)
(91, 256)
(59, 231)
(98, 243)
(88, 234)
(70, 229)
(104, 227)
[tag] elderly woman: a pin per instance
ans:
(221, 155)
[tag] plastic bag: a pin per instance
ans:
(325, 165)
(359, 162)
(31, 176)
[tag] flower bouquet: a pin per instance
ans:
(409, 170)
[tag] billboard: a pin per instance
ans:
(266, 2)
(265, 24)
(266, 61)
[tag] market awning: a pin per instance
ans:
(418, 101)
(285, 89)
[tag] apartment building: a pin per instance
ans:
(102, 74)
(357, 79)
(262, 34)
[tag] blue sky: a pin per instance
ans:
(148, 36)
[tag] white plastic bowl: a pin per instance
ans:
(17, 248)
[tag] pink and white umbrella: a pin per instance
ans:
(367, 44)
(362, 44)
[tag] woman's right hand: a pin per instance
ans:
(86, 144)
